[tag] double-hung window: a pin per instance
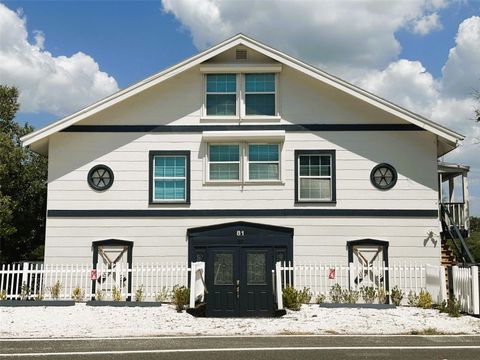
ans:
(224, 162)
(260, 94)
(315, 176)
(221, 94)
(263, 162)
(255, 96)
(169, 177)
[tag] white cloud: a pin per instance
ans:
(360, 33)
(57, 85)
(426, 24)
(461, 72)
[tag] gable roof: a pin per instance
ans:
(448, 137)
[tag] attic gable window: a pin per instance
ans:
(260, 94)
(221, 95)
(239, 95)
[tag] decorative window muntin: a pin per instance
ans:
(221, 94)
(170, 180)
(263, 162)
(224, 162)
(100, 177)
(383, 176)
(315, 176)
(260, 94)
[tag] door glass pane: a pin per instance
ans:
(223, 269)
(256, 268)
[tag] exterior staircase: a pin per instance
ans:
(448, 256)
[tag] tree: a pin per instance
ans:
(477, 110)
(23, 189)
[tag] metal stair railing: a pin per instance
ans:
(450, 225)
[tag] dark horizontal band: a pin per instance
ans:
(247, 213)
(200, 128)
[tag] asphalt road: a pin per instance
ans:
(251, 347)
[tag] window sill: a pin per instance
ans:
(264, 182)
(312, 202)
(169, 202)
(248, 118)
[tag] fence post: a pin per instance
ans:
(193, 273)
(475, 291)
(278, 275)
(25, 269)
(443, 285)
(351, 275)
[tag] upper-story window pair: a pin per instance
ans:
(244, 94)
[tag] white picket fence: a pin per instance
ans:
(466, 288)
(33, 281)
(320, 277)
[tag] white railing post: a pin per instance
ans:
(443, 285)
(475, 291)
(278, 276)
(193, 276)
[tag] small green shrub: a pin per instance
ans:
(350, 296)
(451, 307)
(320, 299)
(369, 294)
(424, 300)
(291, 298)
(3, 295)
(116, 294)
(336, 294)
(181, 297)
(99, 295)
(427, 331)
(382, 296)
(139, 294)
(412, 298)
(78, 294)
(24, 292)
(304, 296)
(396, 295)
(162, 295)
(55, 290)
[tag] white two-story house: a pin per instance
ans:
(241, 156)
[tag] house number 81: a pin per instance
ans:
(240, 232)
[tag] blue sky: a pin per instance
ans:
(394, 49)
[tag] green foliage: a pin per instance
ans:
(23, 176)
(336, 294)
(24, 291)
(293, 298)
(181, 297)
(3, 295)
(397, 295)
(451, 307)
(382, 296)
(162, 295)
(99, 295)
(350, 296)
(320, 299)
(427, 331)
(55, 290)
(424, 300)
(116, 294)
(139, 294)
(412, 298)
(78, 294)
(369, 294)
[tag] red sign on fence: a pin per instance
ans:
(331, 273)
(93, 274)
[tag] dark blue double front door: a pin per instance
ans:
(239, 281)
(239, 262)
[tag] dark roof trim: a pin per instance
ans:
(193, 231)
(201, 128)
(112, 242)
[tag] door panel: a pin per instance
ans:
(222, 274)
(256, 292)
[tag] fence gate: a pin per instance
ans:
(115, 259)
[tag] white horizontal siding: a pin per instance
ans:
(158, 239)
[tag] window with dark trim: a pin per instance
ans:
(169, 177)
(315, 179)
